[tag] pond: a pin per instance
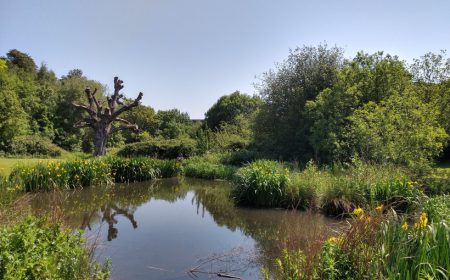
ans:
(161, 229)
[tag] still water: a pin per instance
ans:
(162, 229)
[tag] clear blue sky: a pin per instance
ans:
(185, 54)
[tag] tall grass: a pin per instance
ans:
(203, 168)
(339, 189)
(377, 244)
(438, 208)
(37, 249)
(81, 173)
(262, 183)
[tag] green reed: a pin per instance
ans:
(81, 173)
(262, 183)
(207, 170)
(376, 244)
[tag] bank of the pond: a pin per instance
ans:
(37, 248)
(378, 244)
(336, 190)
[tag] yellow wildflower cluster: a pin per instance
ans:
(405, 226)
(422, 221)
(359, 211)
(380, 208)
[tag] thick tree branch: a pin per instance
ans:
(122, 120)
(127, 126)
(81, 125)
(87, 109)
(128, 107)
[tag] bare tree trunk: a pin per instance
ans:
(100, 137)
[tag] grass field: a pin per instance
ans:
(8, 163)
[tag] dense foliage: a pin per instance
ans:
(37, 249)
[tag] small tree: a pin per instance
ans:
(101, 122)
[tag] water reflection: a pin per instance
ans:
(179, 220)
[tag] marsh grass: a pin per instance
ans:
(375, 244)
(262, 183)
(338, 189)
(45, 176)
(197, 167)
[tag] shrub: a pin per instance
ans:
(36, 249)
(163, 149)
(32, 145)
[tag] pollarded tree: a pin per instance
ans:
(101, 122)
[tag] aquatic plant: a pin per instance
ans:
(377, 244)
(261, 183)
(197, 168)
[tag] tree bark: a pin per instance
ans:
(101, 122)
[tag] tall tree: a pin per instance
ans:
(280, 128)
(228, 107)
(101, 122)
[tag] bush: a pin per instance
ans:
(32, 145)
(36, 249)
(162, 149)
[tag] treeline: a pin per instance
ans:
(38, 117)
(316, 104)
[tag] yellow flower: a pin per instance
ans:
(332, 239)
(358, 211)
(405, 226)
(380, 207)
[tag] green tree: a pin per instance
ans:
(20, 62)
(228, 107)
(366, 78)
(144, 117)
(401, 130)
(173, 124)
(12, 119)
(280, 128)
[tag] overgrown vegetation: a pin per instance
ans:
(38, 249)
(337, 190)
(376, 244)
(83, 173)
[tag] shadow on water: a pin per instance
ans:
(161, 229)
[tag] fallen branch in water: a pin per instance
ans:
(238, 260)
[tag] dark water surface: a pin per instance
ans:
(162, 229)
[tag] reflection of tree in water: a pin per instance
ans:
(89, 207)
(109, 218)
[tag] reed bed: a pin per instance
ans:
(196, 167)
(376, 244)
(80, 173)
(339, 189)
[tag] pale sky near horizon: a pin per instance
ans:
(186, 54)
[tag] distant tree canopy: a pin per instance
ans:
(281, 128)
(318, 105)
(315, 104)
(228, 107)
